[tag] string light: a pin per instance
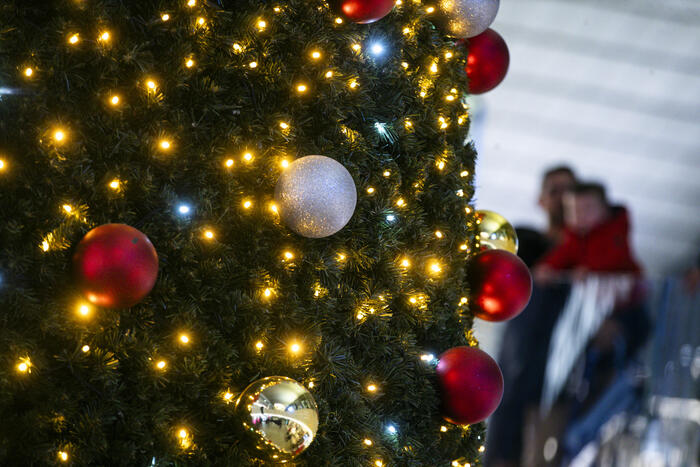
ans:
(284, 163)
(443, 122)
(463, 301)
(253, 64)
(161, 364)
(59, 136)
(367, 442)
(85, 348)
(463, 247)
(191, 3)
(356, 47)
(433, 68)
(273, 208)
(24, 365)
(284, 125)
(370, 190)
(378, 463)
(377, 49)
(440, 165)
(288, 255)
(329, 74)
(430, 9)
(74, 39)
(315, 54)
(184, 209)
(261, 24)
(387, 173)
(28, 72)
(2, 165)
(115, 184)
(407, 31)
(449, 98)
(267, 292)
(301, 88)
(372, 387)
(353, 84)
(443, 429)
(184, 338)
(164, 144)
(184, 438)
(247, 204)
(342, 257)
(189, 63)
(277, 9)
(438, 234)
(45, 245)
(435, 267)
(400, 202)
(228, 163)
(464, 173)
(295, 348)
(208, 234)
(259, 345)
(248, 156)
(482, 448)
(165, 17)
(404, 64)
(83, 310)
(104, 37)
(339, 20)
(151, 85)
(63, 456)
(201, 21)
(405, 263)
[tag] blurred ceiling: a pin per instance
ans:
(611, 87)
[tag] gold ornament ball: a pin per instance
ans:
(495, 232)
(281, 414)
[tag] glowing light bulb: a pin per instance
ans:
(449, 98)
(387, 173)
(443, 428)
(448, 55)
(273, 207)
(379, 463)
(104, 37)
(406, 31)
(237, 47)
(150, 84)
(253, 64)
(353, 84)
(68, 208)
(85, 348)
(329, 74)
(262, 24)
(201, 21)
(267, 292)
(284, 163)
(315, 54)
(434, 68)
(428, 357)
(161, 364)
(408, 124)
(247, 204)
(463, 301)
(189, 63)
(114, 100)
(191, 3)
(405, 263)
(482, 448)
(165, 17)
(74, 39)
(311, 384)
(430, 9)
(341, 257)
(59, 135)
(339, 20)
(404, 64)
(184, 209)
(227, 396)
(164, 144)
(182, 433)
(208, 234)
(400, 202)
(464, 173)
(370, 190)
(45, 245)
(284, 125)
(301, 88)
(184, 338)
(423, 94)
(288, 255)
(367, 442)
(63, 456)
(115, 184)
(295, 348)
(391, 429)
(2, 164)
(228, 163)
(372, 387)
(28, 72)
(356, 47)
(440, 165)
(435, 267)
(84, 310)
(360, 315)
(463, 247)
(390, 218)
(24, 365)
(259, 345)
(248, 157)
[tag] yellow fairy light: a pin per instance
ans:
(370, 190)
(68, 208)
(191, 3)
(115, 184)
(295, 348)
(288, 255)
(228, 163)
(440, 165)
(353, 84)
(182, 433)
(464, 173)
(63, 456)
(434, 267)
(247, 204)
(184, 438)
(259, 345)
(460, 193)
(73, 39)
(165, 17)
(408, 124)
(443, 428)
(24, 365)
(372, 387)
(423, 94)
(85, 348)
(356, 47)
(455, 463)
(253, 64)
(438, 234)
(339, 20)
(114, 100)
(184, 338)
(463, 247)
(400, 202)
(277, 9)
(315, 54)
(164, 144)
(448, 55)
(273, 207)
(463, 301)
(468, 210)
(59, 136)
(329, 74)
(367, 442)
(404, 64)
(227, 396)
(449, 98)
(360, 315)
(189, 63)
(161, 364)
(104, 37)
(267, 292)
(430, 9)
(301, 88)
(413, 300)
(284, 163)
(201, 21)
(387, 173)
(405, 262)
(28, 72)
(443, 122)
(248, 156)
(407, 30)
(261, 24)
(45, 245)
(482, 448)
(434, 68)
(151, 85)
(208, 234)
(379, 463)
(341, 257)
(454, 91)
(237, 47)
(284, 125)
(2, 165)
(83, 310)
(311, 384)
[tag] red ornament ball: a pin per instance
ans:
(471, 384)
(487, 61)
(364, 11)
(115, 266)
(501, 285)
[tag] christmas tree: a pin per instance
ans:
(191, 122)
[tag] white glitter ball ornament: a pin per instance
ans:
(316, 196)
(467, 18)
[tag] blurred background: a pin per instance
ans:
(612, 89)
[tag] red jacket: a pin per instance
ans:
(605, 248)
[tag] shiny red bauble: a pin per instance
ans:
(487, 61)
(471, 385)
(501, 285)
(115, 266)
(364, 11)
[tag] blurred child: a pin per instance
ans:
(596, 238)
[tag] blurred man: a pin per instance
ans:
(526, 338)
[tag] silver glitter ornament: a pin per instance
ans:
(316, 196)
(467, 18)
(281, 414)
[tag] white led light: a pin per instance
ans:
(377, 49)
(391, 429)
(390, 218)
(184, 209)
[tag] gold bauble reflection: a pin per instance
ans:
(495, 232)
(281, 414)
